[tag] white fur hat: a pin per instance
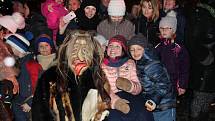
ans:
(13, 22)
(169, 21)
(116, 8)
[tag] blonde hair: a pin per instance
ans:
(155, 4)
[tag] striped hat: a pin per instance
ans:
(18, 42)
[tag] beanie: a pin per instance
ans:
(169, 21)
(138, 40)
(86, 3)
(18, 42)
(44, 39)
(101, 39)
(120, 39)
(116, 8)
(13, 22)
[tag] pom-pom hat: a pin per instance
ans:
(116, 8)
(18, 42)
(12, 23)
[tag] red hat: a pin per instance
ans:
(120, 39)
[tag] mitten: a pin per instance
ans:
(123, 84)
(122, 105)
(150, 105)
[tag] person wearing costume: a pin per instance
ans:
(62, 89)
(126, 104)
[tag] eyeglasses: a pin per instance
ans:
(165, 29)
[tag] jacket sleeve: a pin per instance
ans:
(162, 84)
(184, 67)
(136, 87)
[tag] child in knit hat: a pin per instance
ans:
(158, 91)
(116, 23)
(124, 83)
(174, 56)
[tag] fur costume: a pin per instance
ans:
(62, 89)
(8, 82)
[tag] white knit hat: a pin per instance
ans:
(169, 21)
(12, 23)
(18, 42)
(101, 39)
(116, 8)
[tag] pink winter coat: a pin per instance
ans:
(128, 71)
(53, 16)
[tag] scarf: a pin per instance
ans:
(45, 61)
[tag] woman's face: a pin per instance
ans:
(74, 5)
(169, 4)
(116, 18)
(114, 50)
(44, 48)
(136, 51)
(147, 9)
(90, 11)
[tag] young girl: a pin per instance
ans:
(124, 83)
(116, 23)
(174, 56)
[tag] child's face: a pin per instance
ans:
(44, 48)
(166, 32)
(74, 5)
(114, 50)
(136, 51)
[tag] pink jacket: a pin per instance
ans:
(53, 16)
(128, 71)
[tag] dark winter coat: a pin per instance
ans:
(201, 46)
(77, 89)
(149, 29)
(155, 80)
(176, 60)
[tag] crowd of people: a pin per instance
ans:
(94, 60)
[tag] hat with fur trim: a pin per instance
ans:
(18, 42)
(13, 22)
(116, 8)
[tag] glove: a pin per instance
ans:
(122, 105)
(150, 105)
(123, 84)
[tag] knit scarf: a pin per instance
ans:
(45, 61)
(115, 62)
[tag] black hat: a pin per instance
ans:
(138, 40)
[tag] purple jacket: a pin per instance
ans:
(176, 59)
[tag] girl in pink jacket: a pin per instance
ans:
(53, 10)
(124, 83)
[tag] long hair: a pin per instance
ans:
(155, 6)
(96, 58)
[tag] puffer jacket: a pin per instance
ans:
(128, 71)
(155, 81)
